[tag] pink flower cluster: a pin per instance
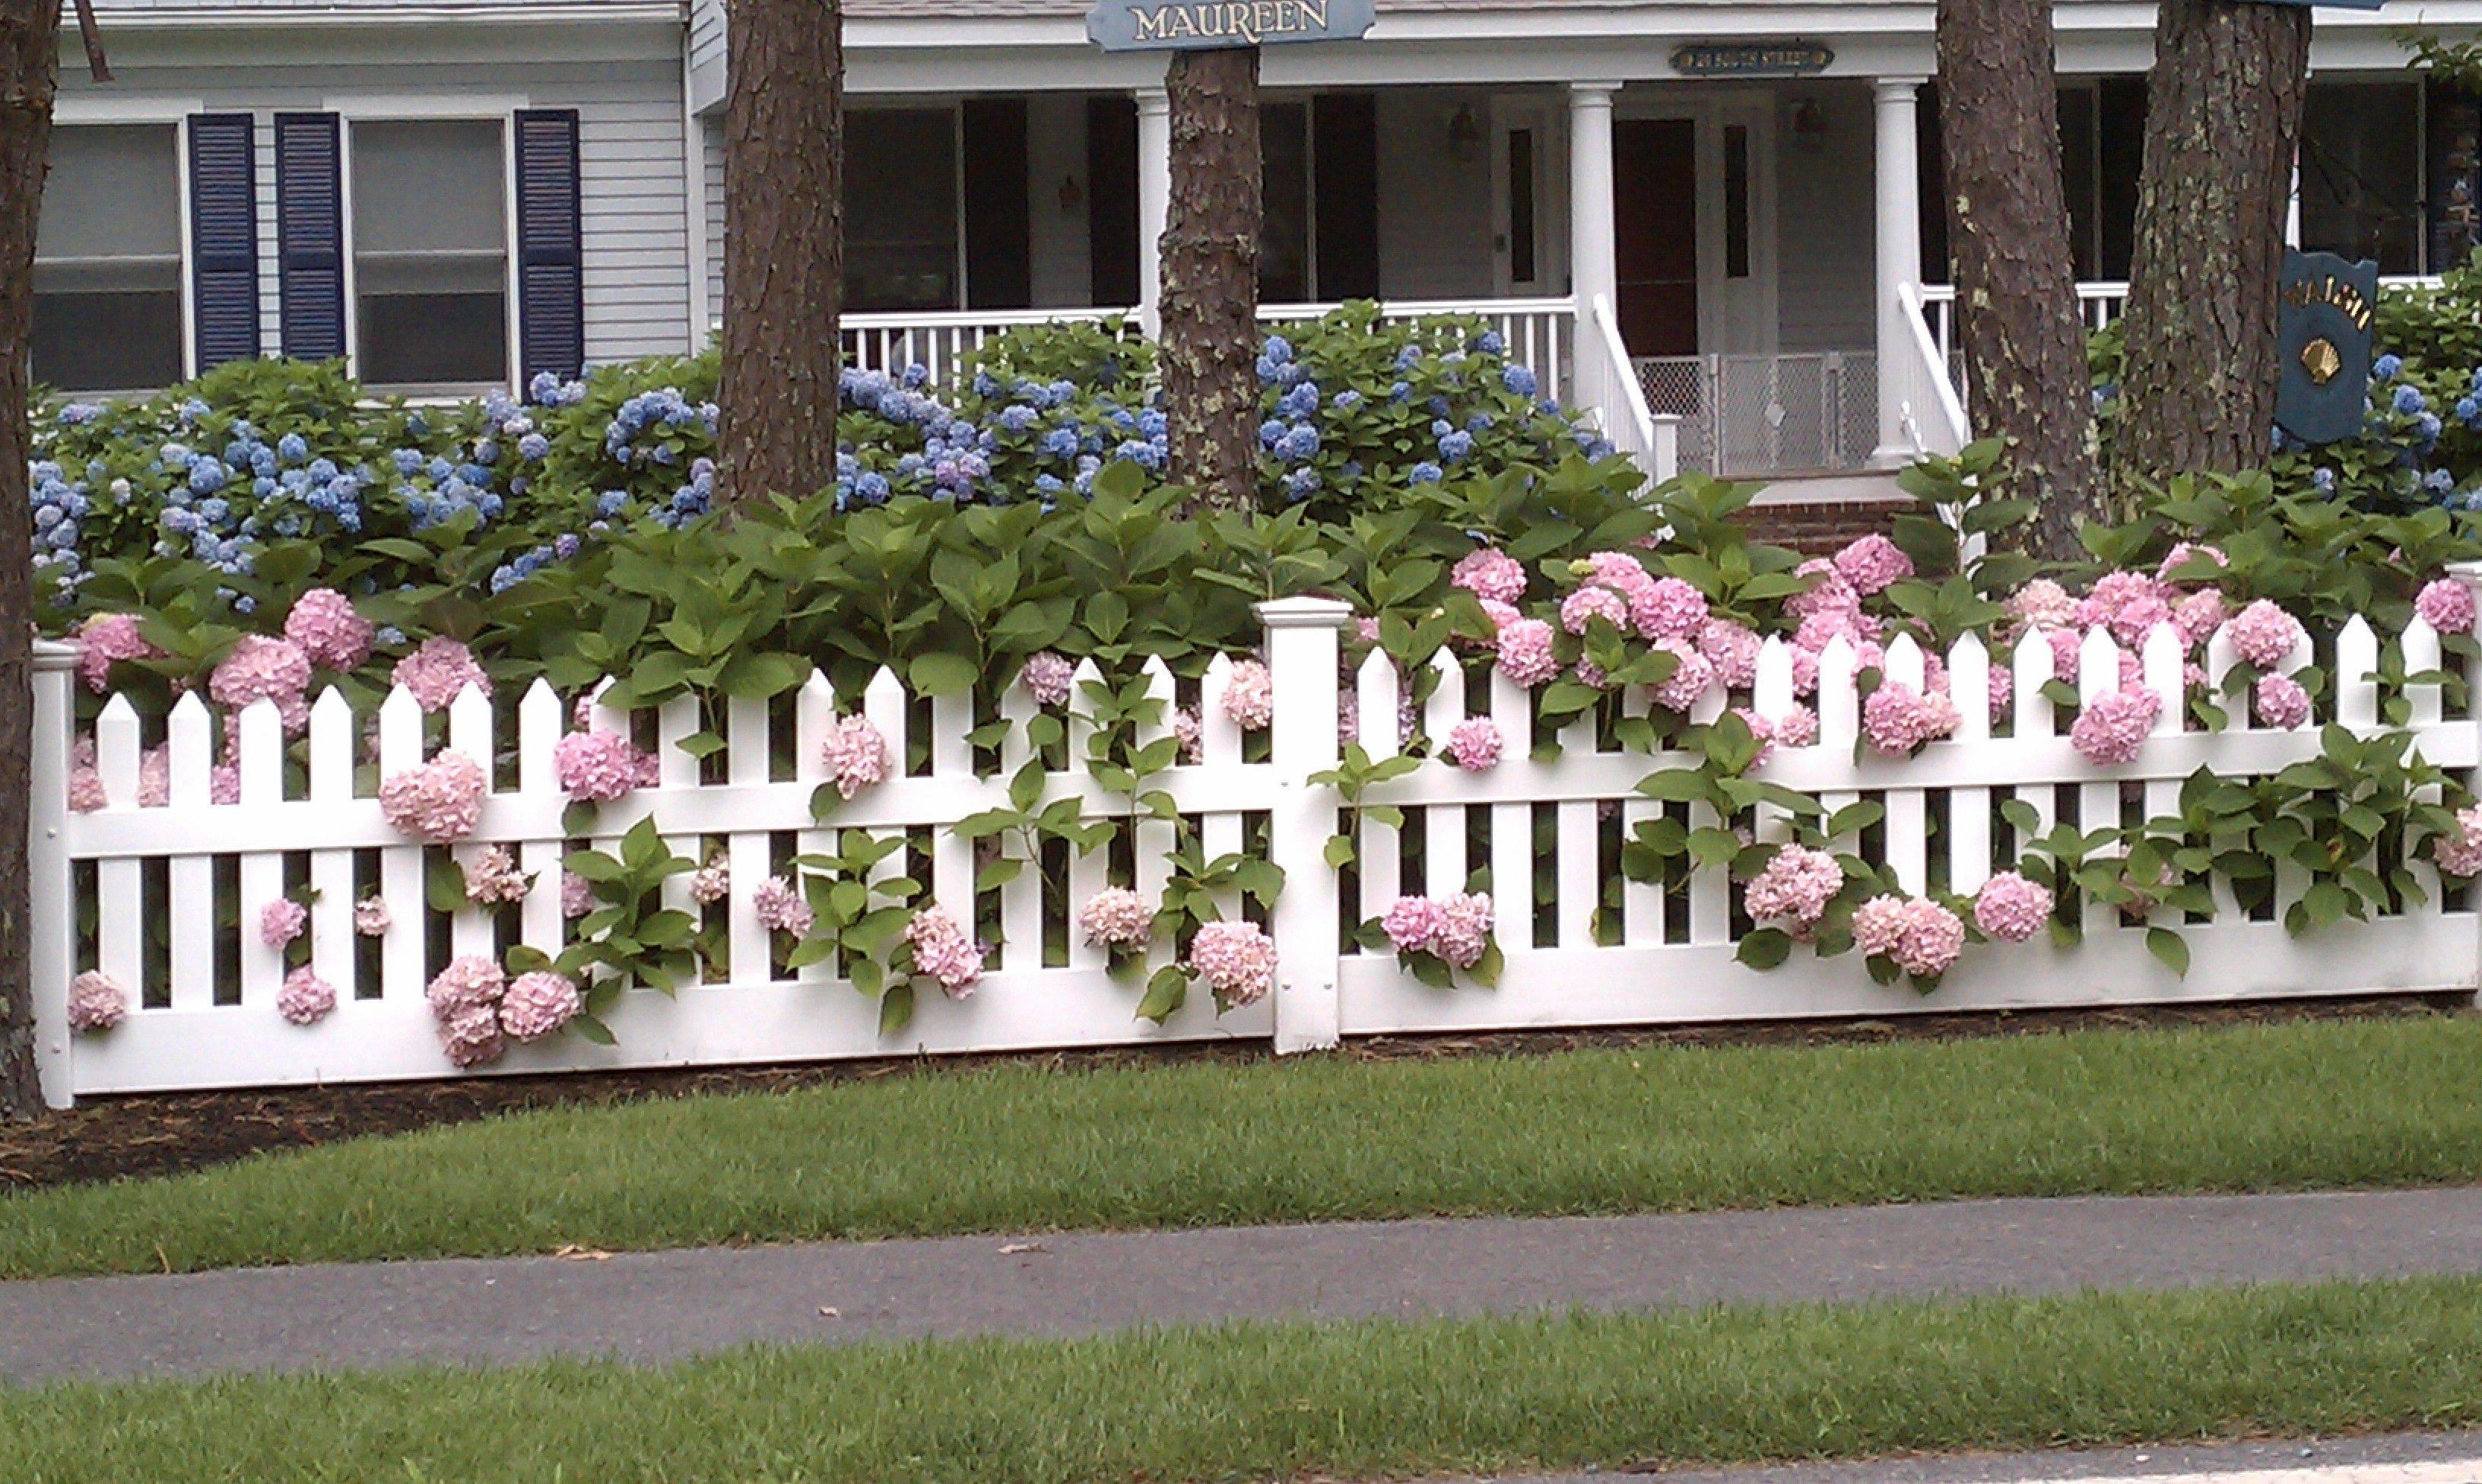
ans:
(305, 999)
(1580, 608)
(2281, 703)
(2043, 604)
(1454, 930)
(576, 896)
(781, 908)
(282, 921)
(2264, 634)
(1919, 935)
(2128, 604)
(1237, 960)
(944, 951)
(96, 1003)
(105, 640)
(2182, 553)
(1525, 654)
(324, 625)
(1690, 678)
(2111, 729)
(1732, 650)
(1116, 918)
(439, 802)
(596, 767)
(855, 755)
(438, 672)
(540, 1005)
(1475, 744)
(466, 1006)
(1047, 678)
(493, 878)
(711, 882)
(372, 918)
(2461, 854)
(2446, 605)
(1795, 887)
(260, 668)
(2012, 908)
(1250, 696)
(1899, 720)
(1873, 564)
(1490, 574)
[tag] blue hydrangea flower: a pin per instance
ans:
(1425, 474)
(1519, 380)
(2385, 367)
(2409, 400)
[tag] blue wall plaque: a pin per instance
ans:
(1202, 25)
(2325, 360)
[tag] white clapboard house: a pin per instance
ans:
(1721, 211)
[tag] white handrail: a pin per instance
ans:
(1932, 382)
(1659, 443)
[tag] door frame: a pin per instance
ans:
(1546, 116)
(1735, 316)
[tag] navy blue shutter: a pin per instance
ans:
(223, 237)
(310, 234)
(551, 277)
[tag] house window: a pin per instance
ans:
(430, 252)
(902, 246)
(2362, 172)
(108, 260)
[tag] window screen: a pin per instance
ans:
(108, 260)
(2360, 173)
(430, 252)
(900, 188)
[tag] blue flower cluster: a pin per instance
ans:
(1044, 438)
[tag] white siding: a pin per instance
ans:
(706, 54)
(633, 175)
(711, 138)
(1823, 214)
(1435, 227)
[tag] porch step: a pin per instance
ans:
(1820, 513)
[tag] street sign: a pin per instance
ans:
(2350, 5)
(1203, 25)
(1754, 59)
(2325, 324)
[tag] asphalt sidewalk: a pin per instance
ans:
(663, 1306)
(2388, 1458)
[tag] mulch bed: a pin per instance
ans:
(125, 1137)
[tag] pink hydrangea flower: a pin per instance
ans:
(439, 802)
(2281, 703)
(2012, 908)
(155, 776)
(1046, 678)
(282, 920)
(2460, 854)
(1525, 654)
(1828, 592)
(2067, 654)
(1237, 960)
(1591, 675)
(1620, 571)
(1250, 696)
(1490, 574)
(493, 878)
(2111, 729)
(1189, 732)
(1761, 729)
(1898, 720)
(1922, 937)
(711, 882)
(224, 784)
(2264, 634)
(1584, 606)
(1733, 649)
(2183, 552)
(324, 624)
(305, 999)
(260, 668)
(781, 908)
(1348, 717)
(856, 755)
(1873, 564)
(2199, 615)
(1475, 744)
(576, 896)
(2446, 605)
(104, 640)
(1464, 929)
(594, 766)
(86, 790)
(1116, 918)
(1804, 672)
(2043, 604)
(1413, 924)
(1689, 681)
(372, 918)
(540, 1005)
(944, 951)
(467, 984)
(1820, 630)
(96, 1003)
(1500, 614)
(1795, 887)
(2003, 693)
(438, 672)
(1797, 727)
(471, 1037)
(1669, 608)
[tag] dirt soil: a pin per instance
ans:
(129, 1137)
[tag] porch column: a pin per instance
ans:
(1900, 251)
(1593, 261)
(1154, 201)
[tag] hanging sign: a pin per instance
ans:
(2325, 324)
(1202, 25)
(2350, 5)
(1755, 59)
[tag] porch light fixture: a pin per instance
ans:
(1072, 196)
(1810, 125)
(1464, 131)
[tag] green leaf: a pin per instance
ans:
(1339, 851)
(444, 885)
(895, 1009)
(2171, 948)
(1166, 993)
(1766, 949)
(941, 674)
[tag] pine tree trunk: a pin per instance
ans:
(1210, 342)
(29, 69)
(783, 249)
(2222, 127)
(2018, 326)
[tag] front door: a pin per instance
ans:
(1656, 226)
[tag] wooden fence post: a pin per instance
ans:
(54, 917)
(1302, 651)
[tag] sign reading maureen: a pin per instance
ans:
(1202, 25)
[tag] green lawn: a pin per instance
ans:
(1362, 1401)
(2308, 1105)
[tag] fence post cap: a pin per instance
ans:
(1305, 612)
(50, 654)
(2469, 573)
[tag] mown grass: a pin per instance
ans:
(1365, 1401)
(2342, 1104)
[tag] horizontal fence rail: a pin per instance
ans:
(162, 887)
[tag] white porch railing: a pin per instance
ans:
(1933, 411)
(1539, 332)
(1769, 414)
(1608, 385)
(940, 340)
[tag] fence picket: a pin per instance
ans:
(332, 958)
(883, 701)
(2097, 804)
(1710, 892)
(1968, 808)
(404, 956)
(540, 720)
(1908, 836)
(190, 911)
(262, 872)
(1512, 824)
(472, 933)
(1840, 716)
(753, 858)
(1642, 903)
(1021, 923)
(2034, 668)
(1153, 840)
(2357, 674)
(1380, 853)
(1090, 871)
(120, 945)
(1443, 826)
(1220, 743)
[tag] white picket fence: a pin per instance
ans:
(166, 899)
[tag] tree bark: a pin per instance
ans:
(783, 249)
(30, 52)
(1210, 342)
(2023, 340)
(2223, 126)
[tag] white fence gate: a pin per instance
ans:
(164, 899)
